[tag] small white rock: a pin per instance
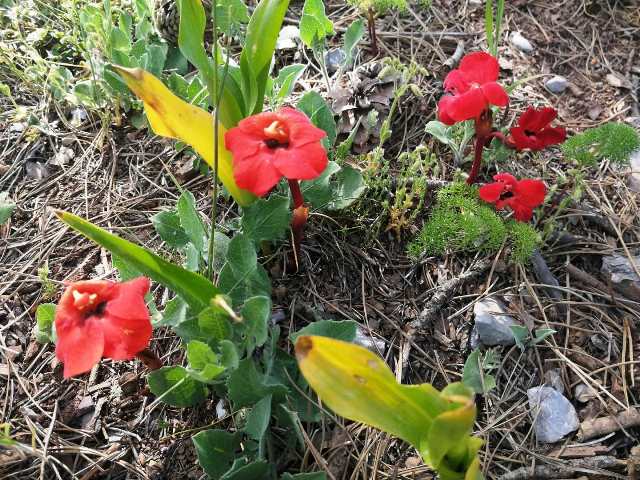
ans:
(557, 84)
(521, 43)
(553, 415)
(288, 37)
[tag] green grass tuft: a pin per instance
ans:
(612, 141)
(461, 222)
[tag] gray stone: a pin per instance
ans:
(333, 59)
(376, 345)
(492, 324)
(557, 84)
(521, 43)
(288, 38)
(623, 274)
(553, 415)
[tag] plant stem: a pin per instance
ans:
(481, 141)
(296, 193)
(299, 219)
(371, 19)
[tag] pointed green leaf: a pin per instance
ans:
(258, 419)
(190, 220)
(45, 315)
(266, 219)
(214, 324)
(315, 26)
(260, 43)
(247, 386)
(344, 330)
(204, 364)
(315, 107)
(167, 224)
(196, 290)
(256, 313)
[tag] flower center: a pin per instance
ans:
(529, 133)
(87, 303)
(277, 135)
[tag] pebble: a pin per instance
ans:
(492, 324)
(554, 416)
(557, 84)
(288, 37)
(622, 273)
(376, 345)
(333, 59)
(521, 43)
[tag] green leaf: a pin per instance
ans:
(256, 313)
(220, 249)
(229, 354)
(260, 43)
(190, 220)
(541, 334)
(216, 451)
(440, 131)
(45, 315)
(126, 271)
(252, 471)
(286, 80)
(175, 312)
(214, 324)
(191, 34)
(204, 364)
(195, 289)
(352, 37)
(258, 419)
(315, 26)
(304, 476)
(320, 114)
(7, 206)
(474, 376)
(247, 386)
(230, 14)
(344, 330)
(242, 277)
(348, 186)
(167, 224)
(521, 334)
(266, 219)
(175, 387)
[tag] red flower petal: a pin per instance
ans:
(491, 192)
(443, 110)
(535, 120)
(241, 143)
(521, 212)
(495, 94)
(521, 140)
(552, 136)
(302, 163)
(480, 67)
(530, 192)
(125, 337)
(302, 134)
(79, 347)
(506, 178)
(257, 172)
(127, 299)
(467, 106)
(456, 82)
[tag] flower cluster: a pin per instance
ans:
(472, 89)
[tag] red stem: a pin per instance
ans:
(296, 193)
(481, 141)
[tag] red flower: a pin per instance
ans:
(272, 145)
(534, 130)
(474, 88)
(522, 196)
(99, 318)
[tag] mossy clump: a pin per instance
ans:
(461, 222)
(380, 6)
(524, 240)
(612, 141)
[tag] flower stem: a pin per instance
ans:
(299, 219)
(371, 20)
(481, 141)
(296, 193)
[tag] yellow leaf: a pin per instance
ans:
(172, 117)
(358, 385)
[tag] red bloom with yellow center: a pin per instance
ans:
(99, 318)
(474, 88)
(521, 196)
(272, 145)
(534, 130)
